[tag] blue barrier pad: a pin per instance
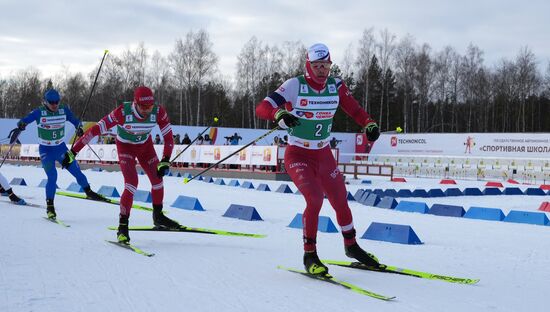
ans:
(453, 191)
(534, 191)
(283, 188)
(109, 191)
(492, 191)
(420, 193)
(391, 193)
(263, 187)
(512, 191)
(447, 210)
(387, 202)
(247, 185)
(18, 181)
(142, 196)
(483, 213)
(325, 224)
(436, 193)
(75, 187)
(187, 203)
(242, 212)
(234, 183)
(371, 200)
(472, 191)
(529, 217)
(409, 206)
(404, 193)
(219, 181)
(394, 233)
(358, 194)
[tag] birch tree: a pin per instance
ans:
(204, 64)
(365, 52)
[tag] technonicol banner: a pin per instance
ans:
(526, 145)
(210, 154)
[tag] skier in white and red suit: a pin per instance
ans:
(305, 107)
(134, 121)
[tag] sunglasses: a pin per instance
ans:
(319, 65)
(53, 102)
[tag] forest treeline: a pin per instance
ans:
(400, 82)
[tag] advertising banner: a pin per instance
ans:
(210, 154)
(524, 145)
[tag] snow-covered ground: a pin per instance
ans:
(46, 267)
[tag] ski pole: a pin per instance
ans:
(91, 149)
(195, 139)
(187, 180)
(91, 92)
(9, 150)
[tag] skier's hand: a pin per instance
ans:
(372, 131)
(21, 125)
(285, 119)
(163, 167)
(79, 131)
(15, 134)
(68, 159)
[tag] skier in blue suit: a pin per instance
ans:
(50, 120)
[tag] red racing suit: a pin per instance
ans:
(308, 159)
(131, 145)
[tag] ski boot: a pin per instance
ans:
(161, 221)
(123, 236)
(313, 265)
(50, 210)
(15, 199)
(93, 195)
(368, 259)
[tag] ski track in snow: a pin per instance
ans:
(46, 267)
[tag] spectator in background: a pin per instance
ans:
(157, 139)
(276, 141)
(186, 140)
(284, 141)
(207, 140)
(334, 143)
(235, 139)
(200, 139)
(177, 140)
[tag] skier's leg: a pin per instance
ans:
(335, 188)
(148, 160)
(301, 167)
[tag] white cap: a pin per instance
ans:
(318, 52)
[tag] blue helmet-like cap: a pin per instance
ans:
(52, 96)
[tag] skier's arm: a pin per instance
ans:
(278, 100)
(166, 129)
(32, 116)
(350, 105)
(71, 118)
(114, 118)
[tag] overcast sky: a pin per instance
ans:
(55, 35)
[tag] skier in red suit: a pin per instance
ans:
(135, 121)
(305, 106)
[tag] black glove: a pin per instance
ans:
(286, 120)
(163, 167)
(14, 134)
(372, 131)
(79, 131)
(21, 125)
(68, 159)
